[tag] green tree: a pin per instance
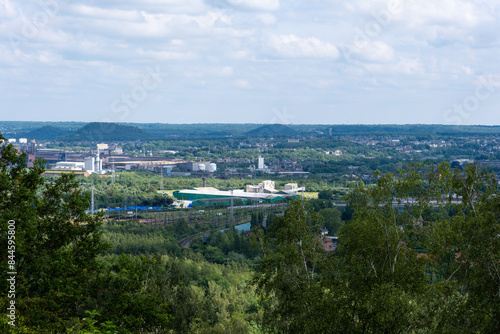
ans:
(287, 277)
(421, 253)
(56, 243)
(332, 219)
(326, 194)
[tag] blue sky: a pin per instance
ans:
(251, 61)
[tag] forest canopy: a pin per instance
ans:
(418, 251)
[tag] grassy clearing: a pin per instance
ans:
(311, 195)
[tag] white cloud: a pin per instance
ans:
(256, 4)
(239, 54)
(177, 42)
(404, 66)
(274, 53)
(267, 19)
(242, 83)
(226, 71)
(167, 55)
(7, 9)
(488, 80)
(104, 13)
(296, 47)
(375, 51)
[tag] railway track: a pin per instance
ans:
(186, 242)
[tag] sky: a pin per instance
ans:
(251, 61)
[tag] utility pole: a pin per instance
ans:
(92, 205)
(232, 220)
(161, 185)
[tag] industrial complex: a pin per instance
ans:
(104, 158)
(263, 192)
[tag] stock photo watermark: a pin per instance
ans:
(493, 6)
(11, 273)
(488, 85)
(32, 24)
(371, 30)
(281, 116)
(122, 106)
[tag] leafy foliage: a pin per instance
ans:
(56, 242)
(419, 254)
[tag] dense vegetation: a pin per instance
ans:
(98, 132)
(418, 252)
(241, 130)
(273, 130)
(69, 279)
(419, 255)
(46, 132)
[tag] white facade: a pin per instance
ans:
(212, 167)
(12, 140)
(264, 186)
(118, 150)
(23, 140)
(97, 162)
(90, 164)
(205, 167)
(293, 187)
(67, 165)
(261, 162)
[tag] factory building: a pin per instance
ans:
(70, 165)
(264, 191)
(208, 193)
(263, 187)
(209, 167)
(268, 187)
(261, 165)
(90, 164)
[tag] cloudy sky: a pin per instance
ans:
(252, 61)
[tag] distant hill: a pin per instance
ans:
(108, 132)
(46, 133)
(404, 129)
(272, 130)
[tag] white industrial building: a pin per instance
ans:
(90, 164)
(268, 187)
(69, 165)
(209, 167)
(264, 191)
(261, 165)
